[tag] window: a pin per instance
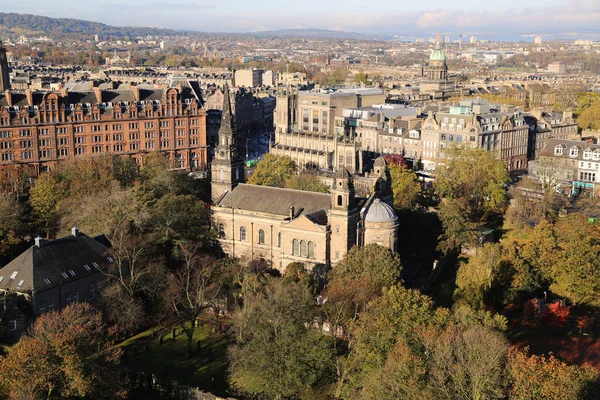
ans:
(92, 291)
(558, 150)
(14, 275)
(596, 155)
(64, 274)
(574, 151)
(303, 248)
(48, 281)
(295, 247)
(261, 236)
(339, 200)
(311, 250)
(95, 264)
(221, 230)
(20, 284)
(87, 267)
(110, 259)
(243, 233)
(279, 239)
(587, 154)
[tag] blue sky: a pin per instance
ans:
(381, 16)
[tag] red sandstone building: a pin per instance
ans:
(42, 129)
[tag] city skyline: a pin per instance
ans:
(564, 18)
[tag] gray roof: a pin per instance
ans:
(567, 144)
(36, 266)
(272, 200)
(380, 212)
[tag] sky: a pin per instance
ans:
(511, 18)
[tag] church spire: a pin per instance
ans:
(227, 126)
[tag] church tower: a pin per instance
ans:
(4, 77)
(343, 216)
(227, 168)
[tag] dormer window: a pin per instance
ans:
(587, 154)
(596, 155)
(574, 151)
(558, 150)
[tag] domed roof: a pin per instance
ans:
(437, 55)
(380, 162)
(380, 212)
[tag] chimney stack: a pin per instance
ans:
(75, 231)
(292, 212)
(38, 241)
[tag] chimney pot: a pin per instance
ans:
(75, 231)
(38, 241)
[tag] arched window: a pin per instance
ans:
(221, 230)
(279, 239)
(596, 155)
(311, 250)
(558, 150)
(339, 200)
(261, 236)
(337, 230)
(587, 154)
(302, 248)
(295, 247)
(242, 233)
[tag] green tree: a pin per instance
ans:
(399, 314)
(361, 77)
(405, 186)
(273, 170)
(458, 229)
(65, 355)
(278, 354)
(475, 277)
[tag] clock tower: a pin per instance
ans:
(227, 169)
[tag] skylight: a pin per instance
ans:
(14, 275)
(87, 267)
(64, 274)
(20, 284)
(48, 281)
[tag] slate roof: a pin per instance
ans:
(274, 200)
(32, 268)
(567, 144)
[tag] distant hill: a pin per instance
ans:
(19, 24)
(319, 33)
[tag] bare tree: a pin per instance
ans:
(195, 287)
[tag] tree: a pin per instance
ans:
(540, 377)
(273, 170)
(194, 287)
(398, 315)
(475, 277)
(475, 175)
(458, 229)
(65, 355)
(405, 186)
(306, 181)
(179, 217)
(357, 279)
(45, 198)
(361, 77)
(124, 312)
(11, 217)
(557, 315)
(279, 354)
(468, 364)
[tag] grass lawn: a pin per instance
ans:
(206, 369)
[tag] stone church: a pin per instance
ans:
(283, 226)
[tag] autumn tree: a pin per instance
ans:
(474, 175)
(278, 354)
(405, 187)
(11, 222)
(64, 355)
(45, 198)
(273, 170)
(541, 377)
(306, 181)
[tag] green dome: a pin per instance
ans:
(437, 55)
